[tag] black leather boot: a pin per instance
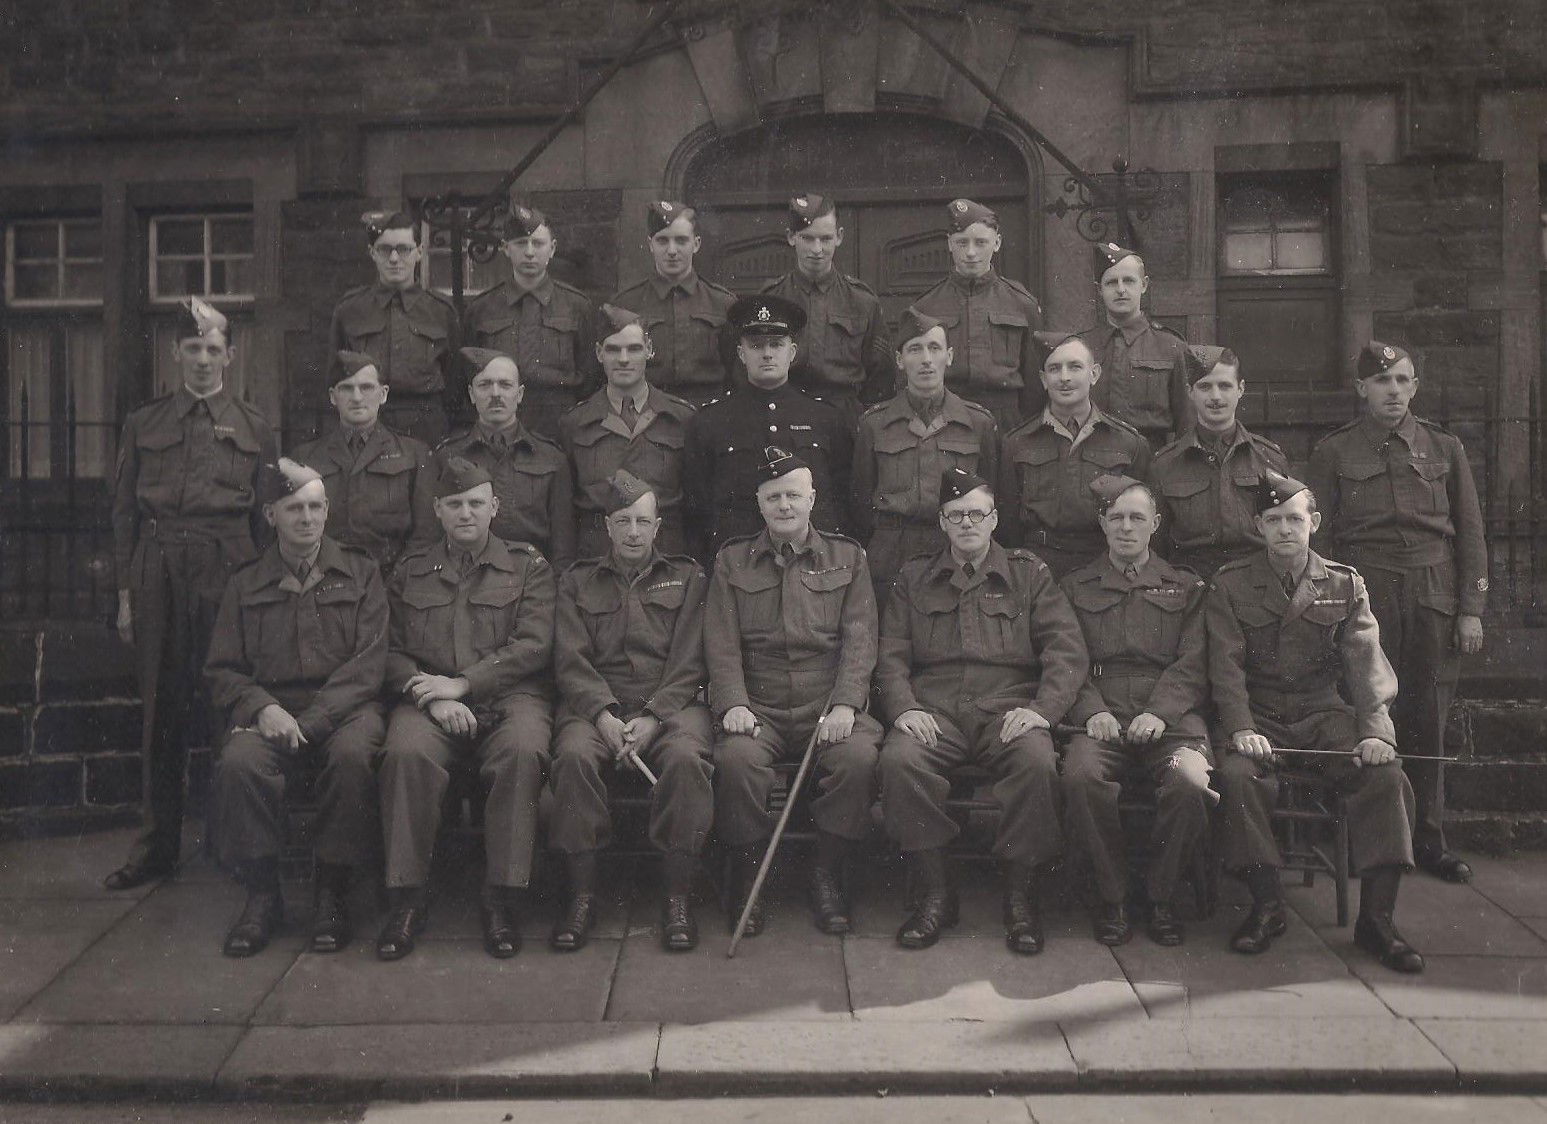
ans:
(829, 903)
(331, 928)
(1022, 913)
(936, 908)
(1376, 931)
(1267, 919)
(679, 929)
(407, 915)
(262, 912)
(573, 927)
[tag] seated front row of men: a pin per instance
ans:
(980, 656)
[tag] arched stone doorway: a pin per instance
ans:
(891, 173)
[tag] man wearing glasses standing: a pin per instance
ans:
(980, 655)
(410, 331)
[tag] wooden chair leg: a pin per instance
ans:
(1340, 860)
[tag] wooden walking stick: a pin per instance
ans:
(778, 834)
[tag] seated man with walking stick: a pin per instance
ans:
(790, 638)
(1296, 667)
(980, 655)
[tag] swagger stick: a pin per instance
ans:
(784, 819)
(644, 770)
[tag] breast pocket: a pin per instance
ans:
(429, 346)
(1151, 384)
(1038, 467)
(703, 331)
(388, 484)
(659, 456)
(159, 453)
(1161, 614)
(493, 609)
(364, 326)
(1004, 631)
(1425, 487)
(757, 605)
(897, 462)
(416, 611)
(1007, 338)
(236, 462)
(825, 592)
(558, 348)
(1191, 511)
(847, 338)
(338, 609)
(1095, 461)
(1362, 488)
(1260, 628)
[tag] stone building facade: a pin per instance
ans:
(1325, 172)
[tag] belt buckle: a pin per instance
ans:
(1095, 671)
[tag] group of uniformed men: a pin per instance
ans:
(1024, 573)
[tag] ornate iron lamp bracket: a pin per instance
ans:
(1108, 210)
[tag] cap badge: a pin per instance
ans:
(802, 201)
(763, 313)
(665, 206)
(1388, 353)
(960, 205)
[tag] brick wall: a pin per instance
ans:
(70, 730)
(79, 64)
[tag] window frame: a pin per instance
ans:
(1323, 183)
(154, 298)
(60, 223)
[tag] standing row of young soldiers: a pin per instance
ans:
(1037, 570)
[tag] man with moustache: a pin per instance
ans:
(628, 424)
(409, 331)
(790, 626)
(843, 357)
(989, 320)
(184, 518)
(683, 313)
(1141, 361)
(531, 474)
(904, 445)
(381, 484)
(1400, 503)
(295, 666)
(629, 660)
(1207, 478)
(540, 321)
(1295, 661)
(723, 456)
(980, 656)
(1047, 464)
(469, 668)
(1141, 709)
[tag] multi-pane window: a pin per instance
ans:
(201, 255)
(53, 263)
(210, 256)
(1279, 229)
(57, 408)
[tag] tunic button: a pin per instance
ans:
(771, 406)
(773, 429)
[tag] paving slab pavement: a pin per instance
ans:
(1279, 1108)
(861, 1056)
(358, 1062)
(162, 964)
(39, 938)
(102, 994)
(978, 978)
(1256, 1052)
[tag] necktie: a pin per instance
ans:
(303, 570)
(630, 414)
(356, 444)
(969, 569)
(1289, 585)
(1131, 572)
(465, 564)
(787, 552)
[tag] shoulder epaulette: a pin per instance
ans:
(557, 284)
(735, 540)
(1016, 286)
(770, 285)
(711, 402)
(1119, 423)
(1174, 443)
(1345, 427)
(1344, 566)
(858, 284)
(1259, 439)
(840, 537)
(356, 291)
(460, 435)
(979, 407)
(1166, 328)
(872, 409)
(1434, 425)
(670, 397)
(688, 558)
(1024, 555)
(1235, 564)
(575, 566)
(715, 285)
(443, 298)
(243, 567)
